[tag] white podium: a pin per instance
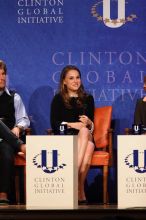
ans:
(51, 172)
(131, 171)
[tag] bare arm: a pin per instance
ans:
(76, 125)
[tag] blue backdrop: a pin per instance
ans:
(39, 37)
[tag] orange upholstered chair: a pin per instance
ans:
(20, 163)
(102, 156)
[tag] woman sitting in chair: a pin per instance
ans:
(75, 108)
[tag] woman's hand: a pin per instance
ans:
(85, 120)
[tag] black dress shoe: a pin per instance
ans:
(82, 202)
(4, 202)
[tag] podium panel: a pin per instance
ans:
(51, 172)
(131, 171)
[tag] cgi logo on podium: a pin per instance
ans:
(137, 160)
(131, 171)
(51, 172)
(41, 161)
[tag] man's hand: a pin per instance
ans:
(16, 131)
(144, 99)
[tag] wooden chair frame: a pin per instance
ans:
(103, 154)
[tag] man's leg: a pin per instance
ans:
(10, 138)
(6, 169)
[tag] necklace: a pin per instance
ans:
(73, 95)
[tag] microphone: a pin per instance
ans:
(63, 129)
(136, 129)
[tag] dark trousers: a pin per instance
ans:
(9, 146)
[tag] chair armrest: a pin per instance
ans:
(110, 130)
(128, 131)
(110, 136)
(49, 131)
(28, 131)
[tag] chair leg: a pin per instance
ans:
(105, 180)
(17, 184)
(17, 188)
(24, 184)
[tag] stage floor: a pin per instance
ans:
(84, 212)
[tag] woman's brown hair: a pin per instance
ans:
(63, 89)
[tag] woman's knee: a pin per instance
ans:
(84, 132)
